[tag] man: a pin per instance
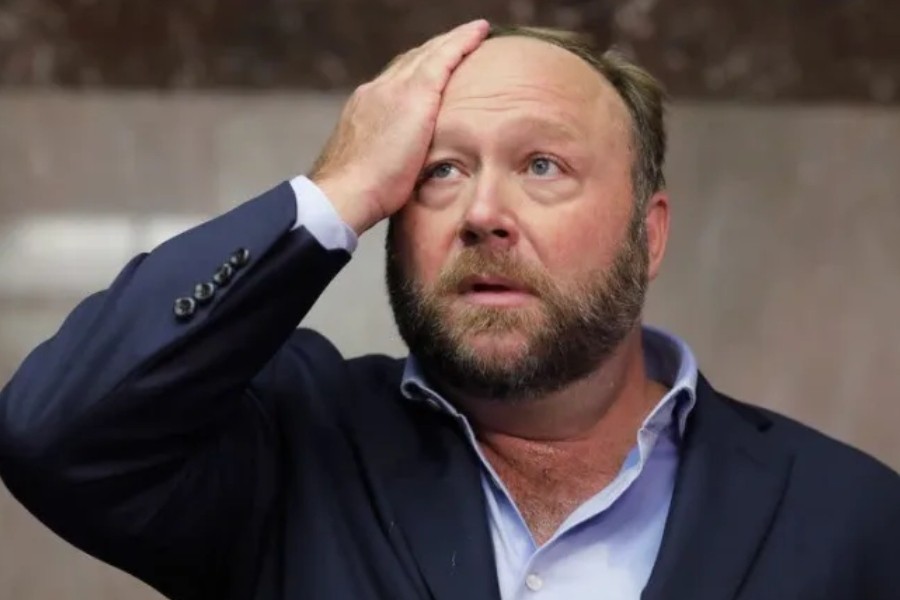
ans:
(538, 441)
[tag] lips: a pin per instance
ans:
(495, 291)
(491, 284)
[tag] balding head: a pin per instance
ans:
(518, 84)
(641, 93)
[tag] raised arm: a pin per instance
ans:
(134, 431)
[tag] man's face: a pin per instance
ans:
(520, 263)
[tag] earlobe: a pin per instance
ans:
(657, 226)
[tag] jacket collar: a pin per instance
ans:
(425, 475)
(731, 479)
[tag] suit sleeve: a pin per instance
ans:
(132, 432)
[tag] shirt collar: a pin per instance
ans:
(668, 359)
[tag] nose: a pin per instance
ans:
(488, 219)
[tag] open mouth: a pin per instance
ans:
(490, 287)
(495, 291)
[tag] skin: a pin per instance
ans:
(519, 147)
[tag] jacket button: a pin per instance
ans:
(185, 308)
(204, 292)
(223, 275)
(240, 258)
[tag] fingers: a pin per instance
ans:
(436, 67)
(402, 61)
(438, 60)
(371, 162)
(437, 57)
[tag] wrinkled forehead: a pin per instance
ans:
(518, 73)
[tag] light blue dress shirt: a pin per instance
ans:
(607, 547)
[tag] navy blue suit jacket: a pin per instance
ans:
(226, 455)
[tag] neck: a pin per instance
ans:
(555, 452)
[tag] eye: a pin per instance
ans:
(439, 171)
(543, 166)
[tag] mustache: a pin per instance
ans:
(476, 262)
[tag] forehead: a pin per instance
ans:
(510, 77)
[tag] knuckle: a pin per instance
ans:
(380, 91)
(402, 59)
(373, 91)
(363, 90)
(434, 42)
(430, 73)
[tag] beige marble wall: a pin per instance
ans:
(783, 270)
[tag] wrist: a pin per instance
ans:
(349, 201)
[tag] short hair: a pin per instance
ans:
(643, 94)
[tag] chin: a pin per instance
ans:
(506, 346)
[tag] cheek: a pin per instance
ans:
(580, 242)
(425, 241)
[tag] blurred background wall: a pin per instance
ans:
(122, 123)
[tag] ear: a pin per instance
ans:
(657, 224)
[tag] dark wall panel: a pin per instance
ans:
(790, 50)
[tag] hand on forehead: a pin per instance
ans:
(523, 82)
(519, 60)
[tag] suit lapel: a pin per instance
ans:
(440, 506)
(728, 489)
(430, 481)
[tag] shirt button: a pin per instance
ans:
(533, 582)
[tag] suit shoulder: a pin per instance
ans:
(822, 457)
